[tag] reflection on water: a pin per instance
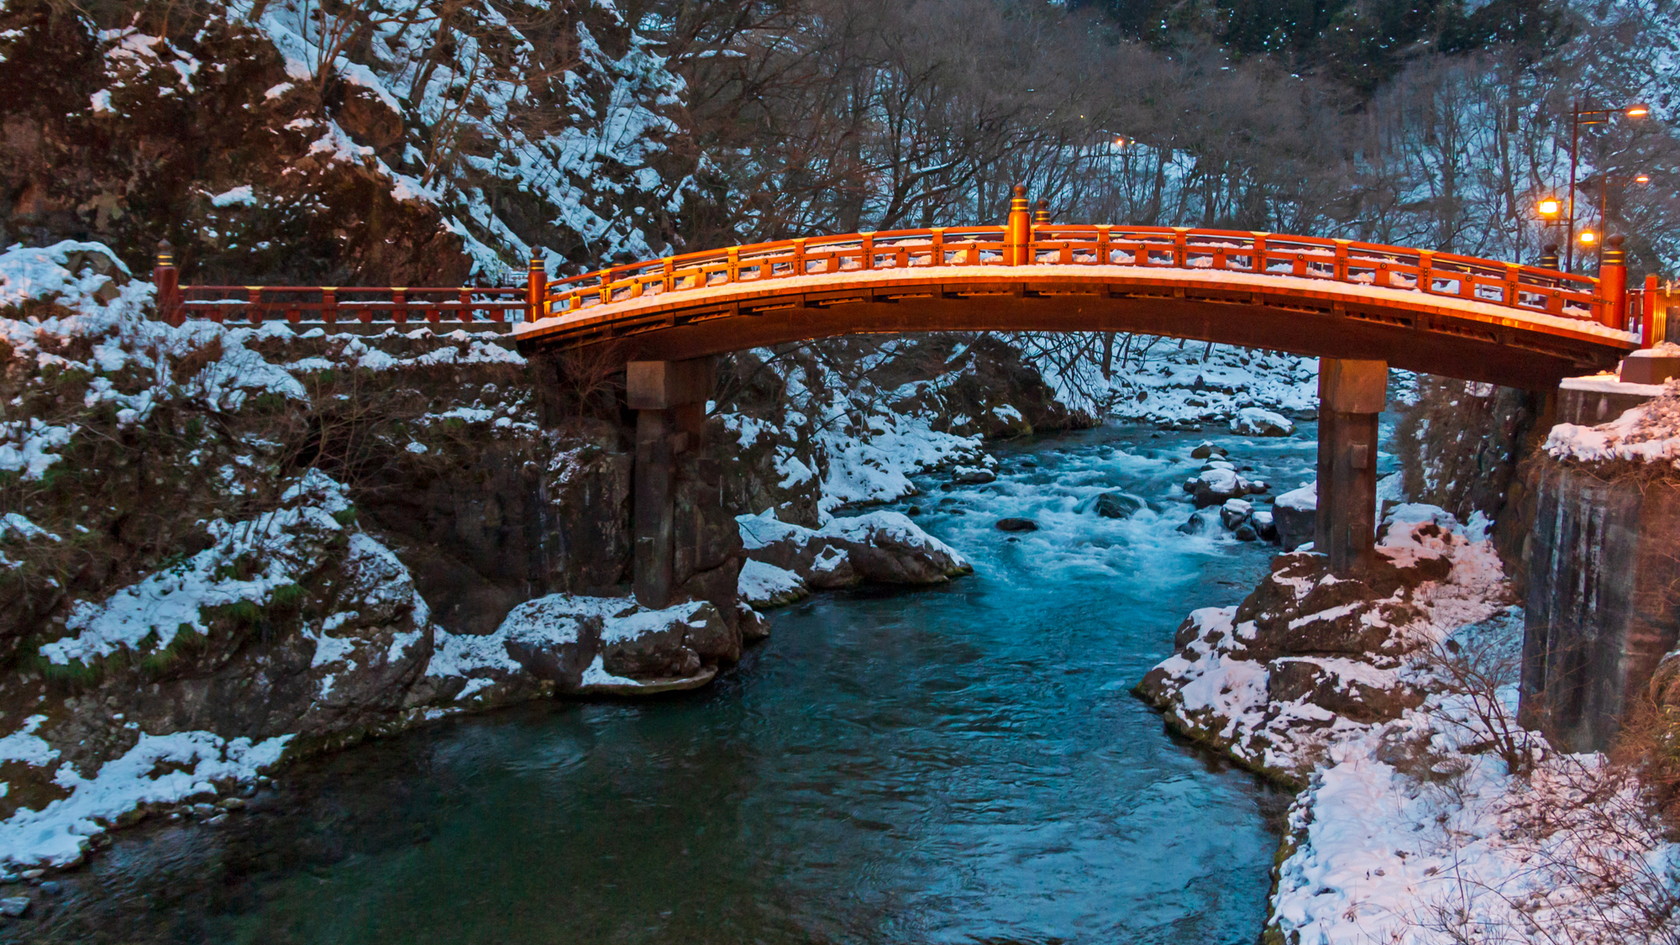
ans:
(956, 765)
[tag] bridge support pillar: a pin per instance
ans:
(669, 398)
(1350, 396)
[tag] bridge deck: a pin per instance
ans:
(1443, 333)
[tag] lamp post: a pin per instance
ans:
(1589, 116)
(1550, 210)
(1604, 182)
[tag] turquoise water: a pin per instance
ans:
(956, 764)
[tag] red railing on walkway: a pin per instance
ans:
(1525, 288)
(1023, 241)
(1648, 309)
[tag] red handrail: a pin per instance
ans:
(1526, 289)
(471, 306)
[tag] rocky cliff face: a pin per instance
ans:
(1460, 446)
(1311, 658)
(278, 141)
(1601, 607)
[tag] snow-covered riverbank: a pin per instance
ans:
(1428, 815)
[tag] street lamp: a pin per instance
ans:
(1590, 116)
(1604, 182)
(1550, 210)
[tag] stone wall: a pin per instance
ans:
(1603, 586)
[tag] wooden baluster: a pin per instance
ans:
(399, 306)
(465, 312)
(1426, 271)
(1380, 277)
(1259, 253)
(1181, 247)
(1339, 270)
(1300, 264)
(329, 304)
(294, 315)
(1219, 258)
(1104, 247)
(254, 311)
(1554, 300)
(868, 250)
(1466, 283)
(364, 314)
(938, 258)
(1512, 293)
(733, 274)
(669, 280)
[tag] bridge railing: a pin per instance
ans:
(1524, 288)
(459, 306)
(1649, 309)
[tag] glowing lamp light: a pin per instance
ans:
(1642, 179)
(1549, 207)
(1587, 238)
(1638, 111)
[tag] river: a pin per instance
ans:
(962, 764)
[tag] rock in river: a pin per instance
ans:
(1017, 525)
(1114, 505)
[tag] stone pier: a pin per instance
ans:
(669, 398)
(1350, 394)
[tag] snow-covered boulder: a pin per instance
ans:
(880, 547)
(1218, 482)
(1234, 513)
(576, 644)
(1310, 657)
(1257, 421)
(764, 585)
(1296, 515)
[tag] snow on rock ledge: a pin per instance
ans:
(1309, 658)
(1647, 433)
(159, 770)
(880, 547)
(572, 644)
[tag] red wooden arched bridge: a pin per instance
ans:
(1359, 307)
(1461, 316)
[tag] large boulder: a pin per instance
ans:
(1296, 515)
(1255, 421)
(1216, 484)
(1113, 505)
(880, 547)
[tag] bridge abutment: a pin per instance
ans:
(1351, 394)
(669, 398)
